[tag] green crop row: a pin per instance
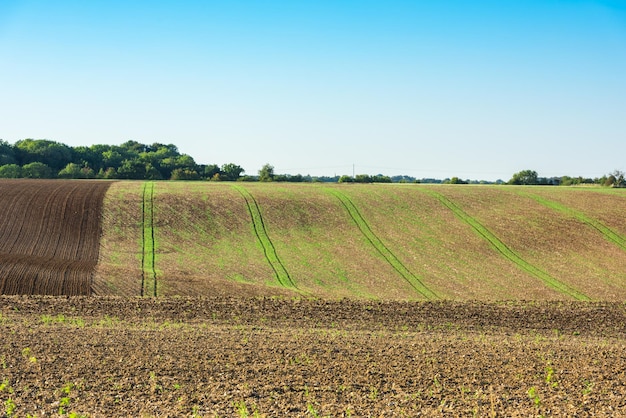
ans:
(377, 243)
(506, 252)
(148, 268)
(607, 232)
(282, 275)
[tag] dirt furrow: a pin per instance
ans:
(51, 244)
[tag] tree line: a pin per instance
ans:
(616, 178)
(44, 159)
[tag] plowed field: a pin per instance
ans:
(236, 357)
(49, 235)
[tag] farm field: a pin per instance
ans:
(371, 242)
(245, 299)
(236, 357)
(49, 236)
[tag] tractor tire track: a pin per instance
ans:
(282, 275)
(148, 255)
(607, 232)
(377, 243)
(506, 252)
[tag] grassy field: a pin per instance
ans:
(387, 242)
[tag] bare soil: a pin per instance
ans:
(106, 357)
(49, 235)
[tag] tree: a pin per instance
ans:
(134, 147)
(75, 171)
(36, 170)
(51, 153)
(208, 171)
(132, 170)
(231, 172)
(456, 180)
(184, 174)
(525, 177)
(616, 179)
(7, 154)
(10, 171)
(266, 173)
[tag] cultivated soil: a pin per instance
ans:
(49, 235)
(105, 357)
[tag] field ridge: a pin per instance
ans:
(378, 244)
(506, 252)
(282, 275)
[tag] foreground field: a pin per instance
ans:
(106, 357)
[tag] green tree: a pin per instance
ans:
(266, 173)
(7, 154)
(616, 179)
(525, 177)
(456, 180)
(112, 158)
(134, 147)
(10, 171)
(75, 171)
(231, 172)
(36, 170)
(132, 170)
(208, 171)
(51, 153)
(184, 174)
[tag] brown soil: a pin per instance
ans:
(290, 357)
(49, 235)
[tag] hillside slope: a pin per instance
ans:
(390, 242)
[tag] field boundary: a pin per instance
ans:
(506, 252)
(607, 232)
(282, 275)
(148, 255)
(378, 244)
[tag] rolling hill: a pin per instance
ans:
(388, 242)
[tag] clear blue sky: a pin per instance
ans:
(439, 88)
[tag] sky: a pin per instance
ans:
(432, 89)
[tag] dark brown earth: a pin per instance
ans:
(226, 357)
(49, 235)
